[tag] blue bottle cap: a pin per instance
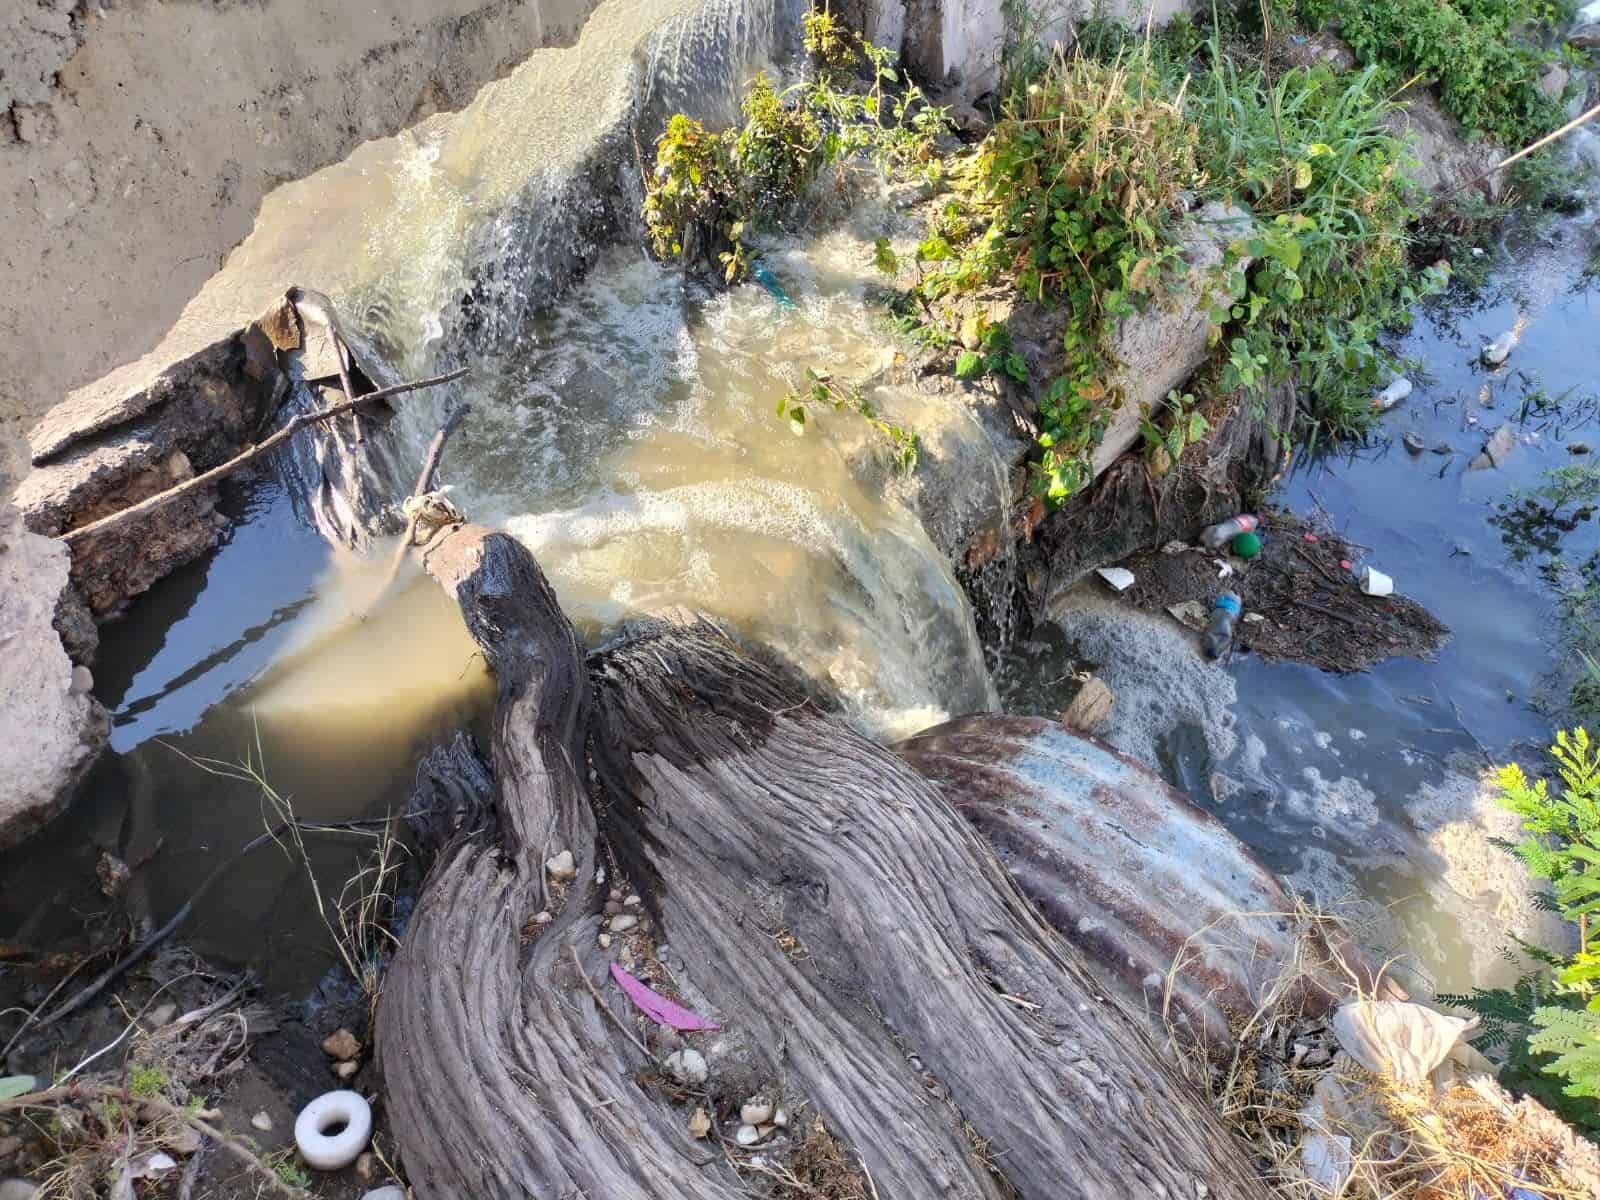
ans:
(1228, 602)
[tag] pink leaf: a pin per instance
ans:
(656, 1006)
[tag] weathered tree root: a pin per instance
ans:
(857, 940)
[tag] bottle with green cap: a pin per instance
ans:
(1247, 545)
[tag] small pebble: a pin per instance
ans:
(366, 1166)
(613, 907)
(748, 1135)
(1577, 447)
(756, 1111)
(82, 681)
(262, 1122)
(780, 1117)
(562, 867)
(605, 941)
(389, 1191)
(345, 1070)
(600, 877)
(542, 917)
(687, 1066)
(341, 1044)
(623, 923)
(616, 894)
(699, 1124)
(17, 1189)
(632, 902)
(1414, 443)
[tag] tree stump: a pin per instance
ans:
(870, 963)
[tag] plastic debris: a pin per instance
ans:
(1405, 1041)
(1496, 352)
(1225, 611)
(1496, 450)
(1397, 391)
(1224, 568)
(657, 1007)
(1217, 536)
(1375, 582)
(1309, 537)
(759, 272)
(1119, 578)
(1247, 545)
(1328, 1161)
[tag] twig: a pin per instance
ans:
(95, 1091)
(1316, 566)
(424, 482)
(615, 1020)
(256, 451)
(1523, 153)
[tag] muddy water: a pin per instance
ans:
(631, 439)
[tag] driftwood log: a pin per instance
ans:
(869, 962)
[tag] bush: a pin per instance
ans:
(1486, 71)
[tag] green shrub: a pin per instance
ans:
(1310, 156)
(1550, 1021)
(1475, 51)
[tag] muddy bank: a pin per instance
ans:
(138, 140)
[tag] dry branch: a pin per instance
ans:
(160, 499)
(430, 464)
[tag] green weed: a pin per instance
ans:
(798, 406)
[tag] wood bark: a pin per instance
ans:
(867, 958)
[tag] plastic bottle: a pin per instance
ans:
(1497, 351)
(1225, 611)
(1397, 391)
(1215, 537)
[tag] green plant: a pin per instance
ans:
(1309, 155)
(1480, 53)
(1169, 429)
(1551, 1020)
(1069, 201)
(904, 446)
(145, 1082)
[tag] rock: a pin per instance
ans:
(389, 1191)
(616, 894)
(9, 1146)
(346, 1069)
(1578, 448)
(262, 1122)
(112, 873)
(1495, 452)
(366, 1166)
(1087, 712)
(756, 1111)
(341, 1044)
(688, 1066)
(699, 1124)
(1497, 351)
(613, 907)
(1553, 83)
(185, 1141)
(160, 1016)
(50, 734)
(17, 1189)
(605, 941)
(1444, 159)
(1585, 37)
(1414, 443)
(82, 681)
(1402, 1040)
(562, 868)
(542, 917)
(633, 901)
(623, 923)
(747, 1135)
(780, 1118)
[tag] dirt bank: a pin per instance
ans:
(137, 140)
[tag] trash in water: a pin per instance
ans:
(1397, 391)
(1120, 578)
(759, 272)
(657, 1007)
(1496, 352)
(1375, 582)
(1217, 536)
(1247, 545)
(1225, 611)
(1414, 443)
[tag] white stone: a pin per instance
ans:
(562, 867)
(687, 1066)
(623, 923)
(780, 1117)
(387, 1192)
(756, 1111)
(747, 1135)
(262, 1122)
(632, 901)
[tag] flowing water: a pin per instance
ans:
(630, 437)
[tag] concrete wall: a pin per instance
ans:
(137, 138)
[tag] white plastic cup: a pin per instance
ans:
(1376, 583)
